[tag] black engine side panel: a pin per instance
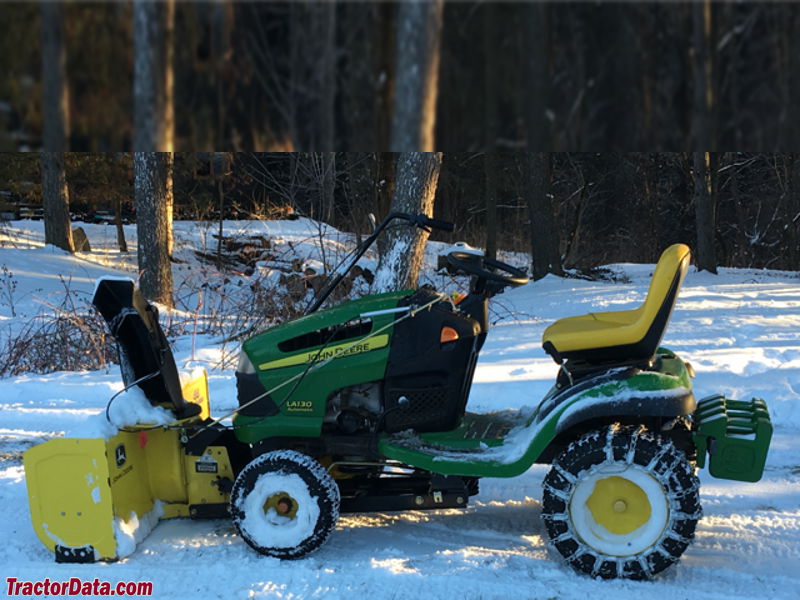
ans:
(434, 377)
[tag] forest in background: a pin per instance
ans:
(604, 207)
(262, 76)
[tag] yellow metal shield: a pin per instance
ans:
(95, 499)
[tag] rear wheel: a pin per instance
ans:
(621, 502)
(285, 504)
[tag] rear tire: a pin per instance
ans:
(621, 502)
(285, 504)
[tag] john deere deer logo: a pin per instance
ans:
(120, 455)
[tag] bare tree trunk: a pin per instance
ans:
(537, 76)
(545, 244)
(386, 33)
(220, 44)
(168, 77)
(794, 212)
(419, 27)
(713, 172)
(221, 196)
(312, 85)
(387, 179)
(170, 202)
(490, 76)
(650, 239)
(55, 201)
(647, 24)
(296, 77)
(150, 193)
(793, 74)
(703, 98)
(490, 175)
(55, 96)
(327, 134)
(704, 213)
(328, 185)
(364, 76)
(415, 189)
(153, 112)
(123, 245)
(741, 257)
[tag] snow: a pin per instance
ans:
(130, 407)
(739, 329)
(392, 266)
(131, 532)
(271, 529)
(519, 439)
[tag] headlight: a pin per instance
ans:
(245, 365)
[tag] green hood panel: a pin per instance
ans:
(287, 350)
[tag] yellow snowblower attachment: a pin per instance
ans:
(95, 499)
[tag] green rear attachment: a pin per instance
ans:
(736, 435)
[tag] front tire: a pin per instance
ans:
(621, 502)
(285, 504)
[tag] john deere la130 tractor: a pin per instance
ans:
(362, 407)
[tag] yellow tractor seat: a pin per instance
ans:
(626, 335)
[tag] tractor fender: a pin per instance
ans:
(670, 403)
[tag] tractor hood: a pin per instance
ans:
(286, 350)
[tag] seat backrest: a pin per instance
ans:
(663, 293)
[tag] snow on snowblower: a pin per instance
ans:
(362, 407)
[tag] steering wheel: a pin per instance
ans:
(488, 269)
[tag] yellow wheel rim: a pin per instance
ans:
(619, 505)
(283, 505)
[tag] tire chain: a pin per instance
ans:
(632, 445)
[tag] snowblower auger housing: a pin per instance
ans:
(95, 498)
(362, 407)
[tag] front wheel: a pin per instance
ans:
(285, 504)
(621, 502)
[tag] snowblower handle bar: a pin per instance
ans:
(424, 221)
(418, 220)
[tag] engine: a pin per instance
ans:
(354, 409)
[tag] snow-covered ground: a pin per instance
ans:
(740, 330)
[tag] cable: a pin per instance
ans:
(125, 389)
(296, 384)
(313, 364)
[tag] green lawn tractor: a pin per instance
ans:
(362, 407)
